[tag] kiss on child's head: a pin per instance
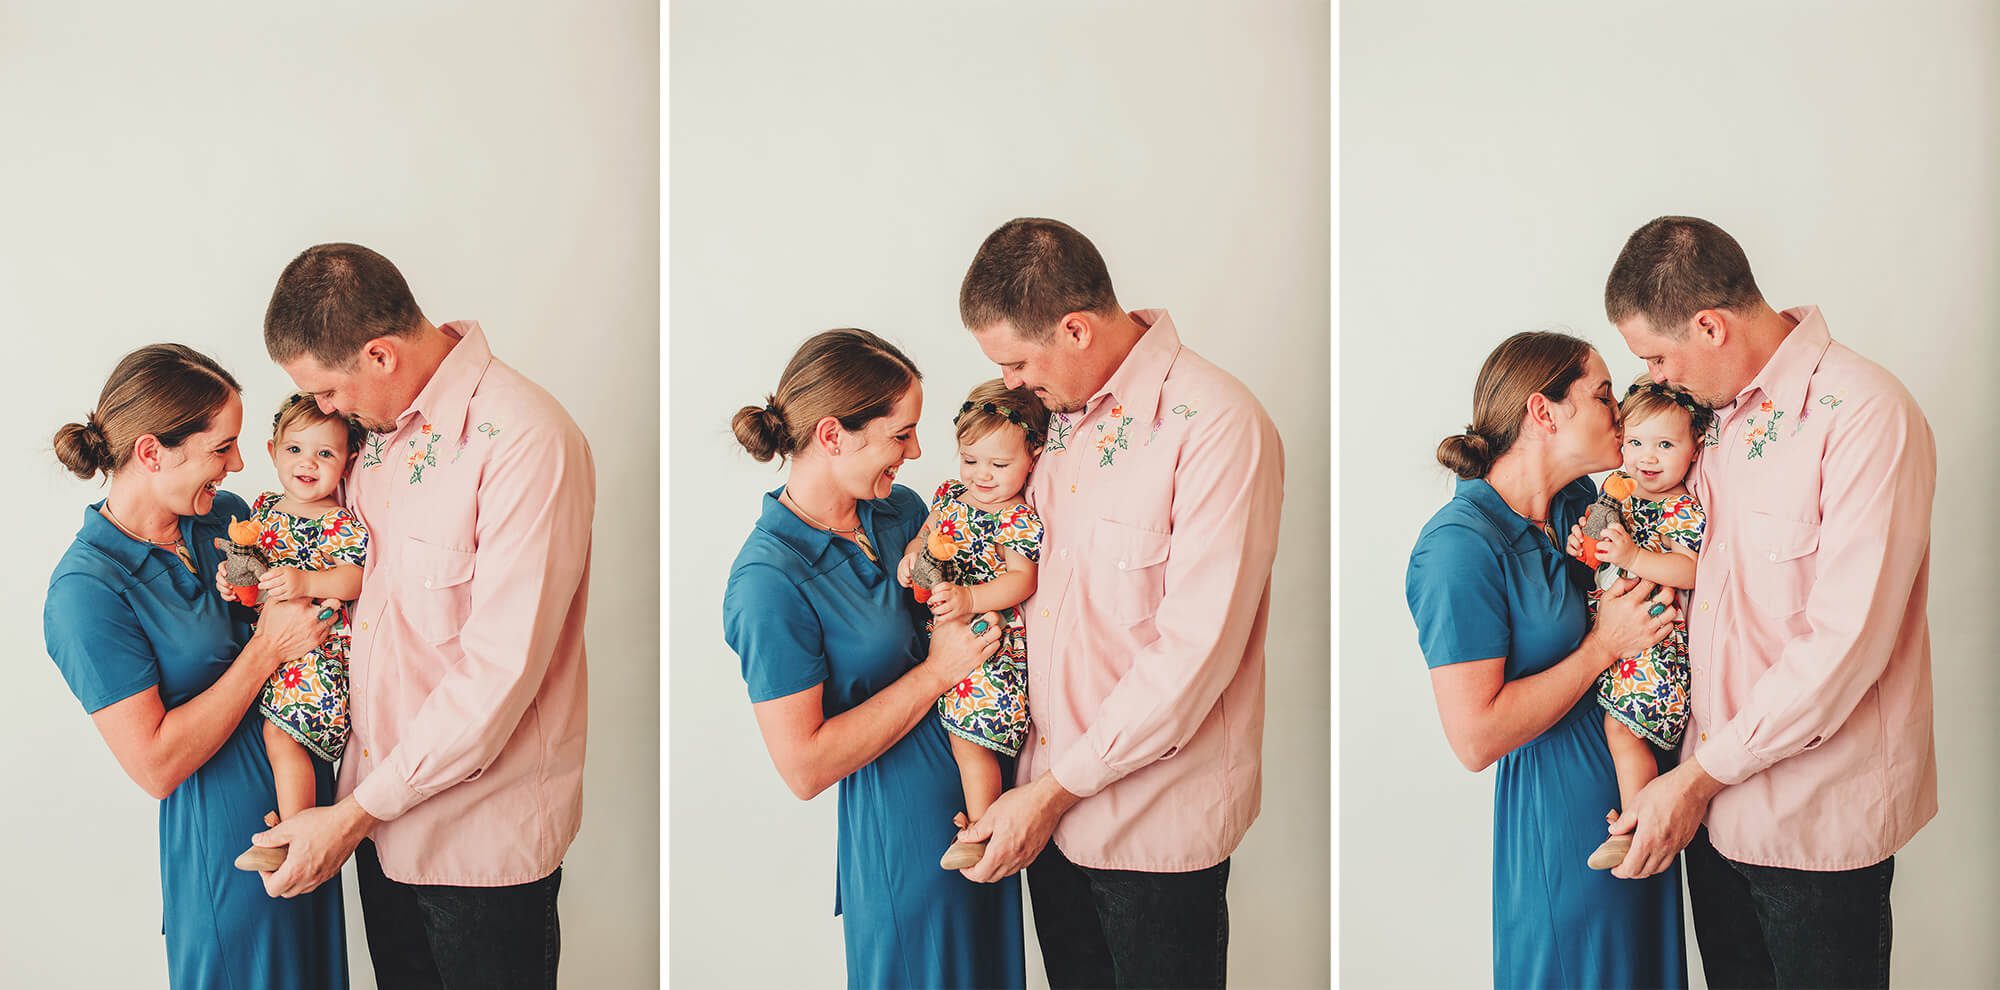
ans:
(1000, 434)
(311, 448)
(1663, 430)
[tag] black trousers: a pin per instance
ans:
(1765, 926)
(431, 935)
(1125, 928)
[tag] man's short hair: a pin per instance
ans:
(1031, 273)
(1675, 267)
(332, 299)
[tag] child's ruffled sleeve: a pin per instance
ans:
(1021, 532)
(947, 490)
(1683, 521)
(346, 539)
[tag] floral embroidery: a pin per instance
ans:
(1186, 411)
(372, 456)
(1111, 443)
(1058, 434)
(1712, 436)
(420, 459)
(1758, 436)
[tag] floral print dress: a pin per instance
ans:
(307, 696)
(1648, 692)
(990, 706)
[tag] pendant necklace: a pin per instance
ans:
(859, 537)
(177, 545)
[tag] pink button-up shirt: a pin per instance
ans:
(1146, 629)
(1810, 647)
(467, 664)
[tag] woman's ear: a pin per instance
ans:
(1541, 414)
(827, 433)
(147, 451)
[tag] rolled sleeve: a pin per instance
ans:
(533, 531)
(1879, 476)
(1228, 491)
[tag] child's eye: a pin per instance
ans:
(1000, 465)
(1666, 445)
(328, 454)
(291, 448)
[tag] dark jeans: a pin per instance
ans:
(1764, 926)
(431, 935)
(1124, 928)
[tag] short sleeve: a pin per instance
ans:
(1021, 532)
(1457, 595)
(94, 637)
(345, 538)
(1683, 521)
(776, 636)
(946, 491)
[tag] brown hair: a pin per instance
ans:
(170, 391)
(302, 412)
(1647, 398)
(1031, 273)
(332, 299)
(989, 406)
(1675, 267)
(851, 375)
(1527, 363)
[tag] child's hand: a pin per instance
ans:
(222, 585)
(283, 584)
(903, 569)
(1574, 547)
(1617, 547)
(949, 601)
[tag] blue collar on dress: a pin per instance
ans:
(1512, 525)
(809, 541)
(128, 553)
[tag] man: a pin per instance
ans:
(463, 780)
(1159, 487)
(1810, 745)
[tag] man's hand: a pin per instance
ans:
(1664, 814)
(317, 843)
(1016, 827)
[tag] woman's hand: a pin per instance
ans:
(283, 584)
(294, 628)
(1616, 546)
(949, 601)
(956, 652)
(1625, 624)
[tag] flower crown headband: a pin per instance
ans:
(1697, 413)
(355, 431)
(1011, 415)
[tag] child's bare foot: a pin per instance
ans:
(262, 859)
(962, 854)
(1612, 851)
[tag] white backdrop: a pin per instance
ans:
(1493, 160)
(837, 165)
(163, 164)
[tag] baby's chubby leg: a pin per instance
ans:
(291, 770)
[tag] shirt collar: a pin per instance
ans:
(810, 542)
(1137, 382)
(109, 540)
(448, 394)
(1512, 525)
(1787, 376)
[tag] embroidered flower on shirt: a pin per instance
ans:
(1758, 436)
(1058, 434)
(372, 456)
(420, 459)
(1110, 443)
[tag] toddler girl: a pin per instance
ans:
(995, 539)
(1645, 697)
(316, 549)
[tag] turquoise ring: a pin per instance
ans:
(1658, 607)
(979, 626)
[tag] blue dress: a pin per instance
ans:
(804, 607)
(1483, 583)
(122, 617)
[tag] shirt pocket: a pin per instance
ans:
(1126, 569)
(1783, 560)
(437, 593)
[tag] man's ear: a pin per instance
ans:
(1076, 330)
(382, 354)
(1713, 325)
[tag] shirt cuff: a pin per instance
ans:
(1726, 758)
(384, 796)
(1080, 772)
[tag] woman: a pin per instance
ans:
(169, 672)
(839, 676)
(1501, 619)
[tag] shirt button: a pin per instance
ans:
(1704, 606)
(1774, 556)
(364, 751)
(1121, 565)
(1045, 613)
(1704, 737)
(427, 582)
(1072, 489)
(364, 627)
(1065, 553)
(1044, 740)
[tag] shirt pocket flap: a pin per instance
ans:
(1128, 547)
(434, 567)
(1779, 539)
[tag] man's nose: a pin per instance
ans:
(1010, 378)
(324, 406)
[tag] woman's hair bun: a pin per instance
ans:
(762, 431)
(1466, 454)
(83, 449)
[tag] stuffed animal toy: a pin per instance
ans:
(928, 568)
(243, 562)
(1609, 508)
